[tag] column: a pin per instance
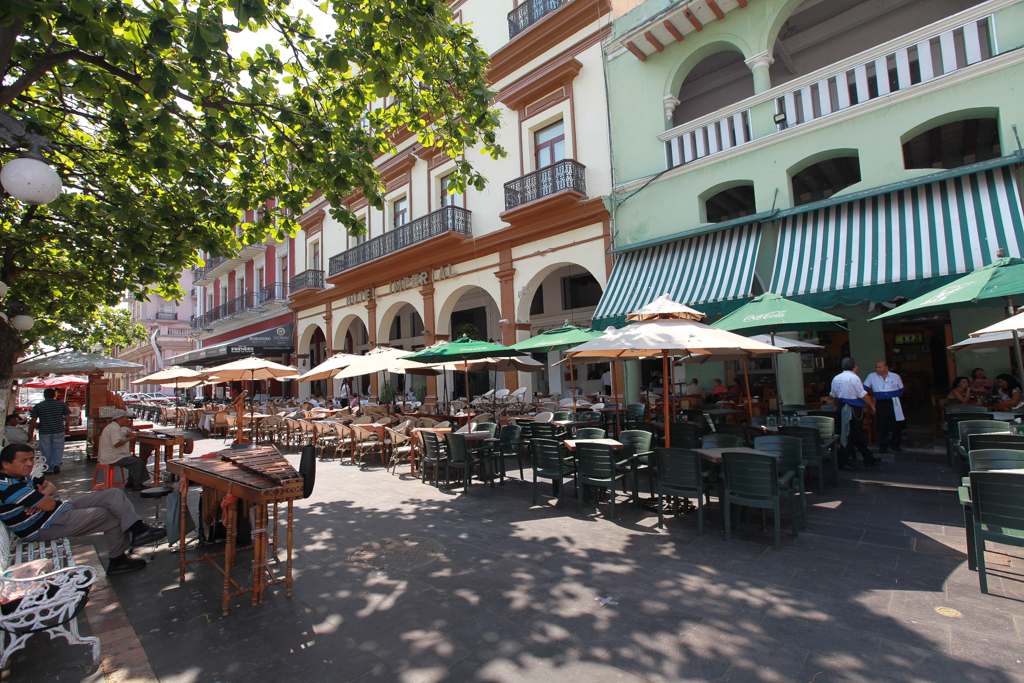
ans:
(332, 385)
(759, 65)
(506, 274)
(371, 328)
(430, 326)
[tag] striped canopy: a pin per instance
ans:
(898, 244)
(698, 271)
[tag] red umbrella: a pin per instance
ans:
(57, 382)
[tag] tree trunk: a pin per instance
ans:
(11, 347)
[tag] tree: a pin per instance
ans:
(163, 137)
(108, 328)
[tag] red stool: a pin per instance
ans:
(103, 477)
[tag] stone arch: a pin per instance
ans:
(950, 117)
(452, 298)
(343, 328)
(306, 335)
(385, 318)
(529, 290)
(722, 43)
(773, 25)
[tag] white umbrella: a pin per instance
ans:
(380, 359)
(251, 368)
(75, 362)
(1011, 325)
(989, 340)
(786, 342)
(171, 377)
(329, 367)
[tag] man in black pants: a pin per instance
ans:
(852, 397)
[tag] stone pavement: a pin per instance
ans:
(517, 593)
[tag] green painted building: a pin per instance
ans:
(849, 154)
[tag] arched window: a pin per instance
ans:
(953, 144)
(716, 82)
(734, 202)
(823, 179)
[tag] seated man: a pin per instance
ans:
(32, 511)
(13, 431)
(114, 450)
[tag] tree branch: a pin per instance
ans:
(47, 62)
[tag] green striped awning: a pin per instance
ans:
(702, 272)
(898, 244)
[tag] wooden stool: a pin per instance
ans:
(107, 474)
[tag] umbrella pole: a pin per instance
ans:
(750, 400)
(664, 395)
(572, 383)
(615, 399)
(775, 369)
(1016, 340)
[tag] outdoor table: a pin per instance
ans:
(416, 442)
(156, 439)
(1004, 416)
(575, 424)
(616, 445)
(461, 418)
(714, 455)
(473, 437)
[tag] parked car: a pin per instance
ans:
(135, 398)
(159, 398)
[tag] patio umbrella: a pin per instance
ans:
(988, 340)
(75, 362)
(770, 313)
(328, 368)
(57, 382)
(557, 339)
(252, 368)
(171, 377)
(991, 285)
(676, 336)
(464, 349)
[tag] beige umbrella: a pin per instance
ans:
(171, 377)
(684, 337)
(251, 368)
(380, 359)
(1011, 325)
(75, 362)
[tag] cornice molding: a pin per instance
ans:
(540, 82)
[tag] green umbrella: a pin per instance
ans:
(990, 285)
(558, 339)
(771, 313)
(462, 349)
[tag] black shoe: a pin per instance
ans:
(848, 467)
(124, 564)
(873, 462)
(148, 536)
(55, 470)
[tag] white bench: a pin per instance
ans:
(52, 601)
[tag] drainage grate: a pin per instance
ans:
(395, 553)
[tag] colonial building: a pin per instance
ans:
(169, 334)
(526, 254)
(849, 154)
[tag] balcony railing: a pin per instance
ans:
(529, 13)
(308, 279)
(898, 70)
(166, 316)
(275, 293)
(198, 274)
(562, 175)
(447, 219)
(711, 138)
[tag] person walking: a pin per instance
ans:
(887, 388)
(849, 392)
(606, 382)
(54, 420)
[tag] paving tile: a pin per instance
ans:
(413, 650)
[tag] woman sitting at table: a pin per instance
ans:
(960, 394)
(1009, 391)
(979, 383)
(735, 392)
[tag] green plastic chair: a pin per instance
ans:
(432, 455)
(997, 500)
(828, 428)
(680, 475)
(549, 462)
(967, 427)
(721, 441)
(752, 480)
(590, 433)
(459, 457)
(638, 442)
(562, 415)
(812, 451)
(984, 460)
(953, 429)
(635, 412)
(740, 431)
(546, 430)
(588, 416)
(597, 467)
(789, 449)
(685, 435)
(1010, 442)
(510, 445)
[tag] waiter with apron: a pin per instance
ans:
(852, 397)
(887, 388)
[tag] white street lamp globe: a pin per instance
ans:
(3, 289)
(22, 322)
(30, 180)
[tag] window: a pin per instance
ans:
(449, 198)
(549, 145)
(224, 294)
(537, 305)
(732, 203)
(314, 257)
(954, 144)
(259, 278)
(241, 286)
(400, 211)
(284, 268)
(580, 291)
(825, 178)
(209, 302)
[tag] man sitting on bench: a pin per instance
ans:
(32, 511)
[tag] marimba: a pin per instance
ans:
(260, 476)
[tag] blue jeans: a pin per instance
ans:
(51, 446)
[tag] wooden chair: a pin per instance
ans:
(366, 442)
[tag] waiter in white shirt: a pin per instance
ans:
(887, 387)
(850, 394)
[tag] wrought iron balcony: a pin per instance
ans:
(308, 279)
(214, 262)
(166, 316)
(529, 13)
(562, 175)
(447, 219)
(198, 274)
(275, 293)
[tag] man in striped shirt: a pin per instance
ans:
(54, 419)
(32, 510)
